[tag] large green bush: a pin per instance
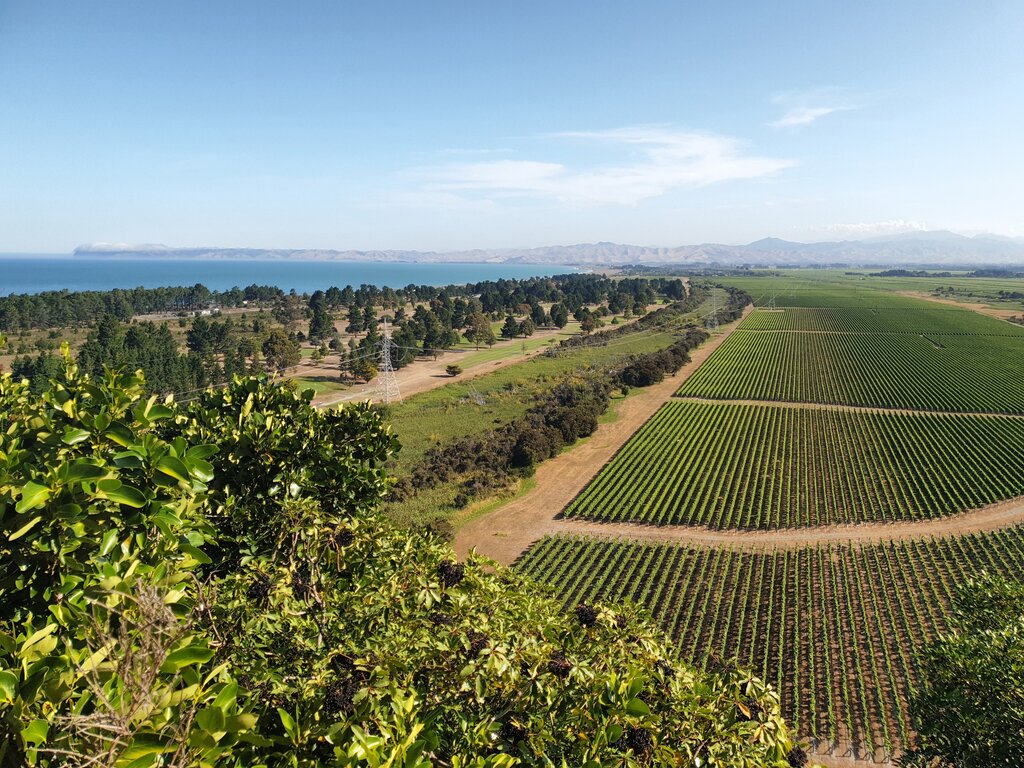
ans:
(208, 584)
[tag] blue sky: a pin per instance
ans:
(452, 125)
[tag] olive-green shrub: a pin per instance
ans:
(208, 584)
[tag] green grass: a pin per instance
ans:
(505, 350)
(319, 384)
(470, 405)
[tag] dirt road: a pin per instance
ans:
(424, 375)
(504, 533)
(990, 518)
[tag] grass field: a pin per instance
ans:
(469, 406)
(838, 630)
(762, 467)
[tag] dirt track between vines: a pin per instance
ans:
(990, 518)
(506, 532)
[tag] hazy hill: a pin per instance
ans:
(933, 248)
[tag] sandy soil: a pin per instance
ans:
(507, 531)
(992, 517)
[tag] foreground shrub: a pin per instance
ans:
(209, 585)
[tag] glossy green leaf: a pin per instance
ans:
(8, 685)
(185, 657)
(82, 471)
(25, 528)
(32, 495)
(130, 497)
(36, 732)
(73, 436)
(174, 467)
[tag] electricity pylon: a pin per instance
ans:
(712, 321)
(387, 382)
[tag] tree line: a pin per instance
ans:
(219, 347)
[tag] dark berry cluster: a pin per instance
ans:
(512, 733)
(301, 585)
(797, 757)
(558, 665)
(284, 645)
(586, 615)
(344, 538)
(621, 621)
(338, 699)
(640, 741)
(752, 707)
(259, 590)
(440, 619)
(451, 573)
(477, 642)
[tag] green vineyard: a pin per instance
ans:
(836, 629)
(946, 321)
(726, 465)
(959, 373)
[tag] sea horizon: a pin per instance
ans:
(31, 273)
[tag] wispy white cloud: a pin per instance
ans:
(474, 151)
(876, 228)
(805, 107)
(804, 116)
(665, 159)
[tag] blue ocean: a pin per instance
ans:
(33, 273)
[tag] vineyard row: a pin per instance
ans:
(726, 465)
(927, 372)
(851, 320)
(838, 630)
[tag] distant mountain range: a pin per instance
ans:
(938, 248)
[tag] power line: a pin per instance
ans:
(387, 383)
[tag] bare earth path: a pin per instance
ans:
(509, 530)
(424, 375)
(504, 533)
(992, 517)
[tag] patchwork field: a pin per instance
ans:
(833, 405)
(945, 321)
(836, 629)
(959, 373)
(725, 465)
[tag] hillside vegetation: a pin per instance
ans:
(210, 585)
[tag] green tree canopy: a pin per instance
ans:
(969, 713)
(208, 584)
